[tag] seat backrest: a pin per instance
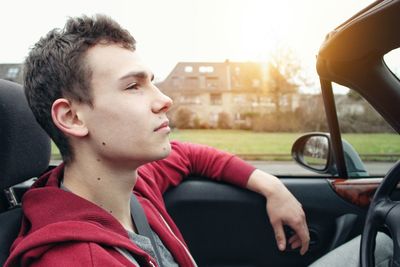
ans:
(10, 222)
(24, 153)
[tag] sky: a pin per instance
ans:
(171, 31)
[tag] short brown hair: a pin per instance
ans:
(55, 68)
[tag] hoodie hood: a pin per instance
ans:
(53, 216)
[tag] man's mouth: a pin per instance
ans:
(163, 125)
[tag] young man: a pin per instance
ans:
(91, 92)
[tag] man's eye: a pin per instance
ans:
(133, 86)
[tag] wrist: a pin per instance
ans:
(264, 183)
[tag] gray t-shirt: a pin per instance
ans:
(144, 243)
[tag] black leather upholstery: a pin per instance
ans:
(24, 153)
(25, 147)
(10, 222)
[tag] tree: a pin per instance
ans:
(183, 118)
(352, 94)
(285, 76)
(224, 121)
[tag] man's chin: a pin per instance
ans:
(165, 151)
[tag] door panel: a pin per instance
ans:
(228, 226)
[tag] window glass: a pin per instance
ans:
(206, 69)
(12, 73)
(392, 60)
(189, 69)
(212, 82)
(371, 137)
(215, 99)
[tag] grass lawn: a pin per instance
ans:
(247, 142)
(239, 142)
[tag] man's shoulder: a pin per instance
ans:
(72, 244)
(78, 254)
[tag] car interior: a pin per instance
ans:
(227, 226)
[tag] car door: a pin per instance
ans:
(228, 226)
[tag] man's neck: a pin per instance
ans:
(109, 188)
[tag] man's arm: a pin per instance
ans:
(283, 209)
(188, 159)
(191, 159)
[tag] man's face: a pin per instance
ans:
(128, 122)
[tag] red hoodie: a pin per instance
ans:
(60, 228)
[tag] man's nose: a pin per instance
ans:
(162, 102)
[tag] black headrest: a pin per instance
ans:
(24, 146)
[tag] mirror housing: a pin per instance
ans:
(313, 152)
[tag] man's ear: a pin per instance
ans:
(66, 118)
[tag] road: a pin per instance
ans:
(292, 168)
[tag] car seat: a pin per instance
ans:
(24, 154)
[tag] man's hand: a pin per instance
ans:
(283, 209)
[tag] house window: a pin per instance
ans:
(239, 99)
(12, 73)
(216, 99)
(284, 100)
(206, 69)
(212, 82)
(256, 83)
(236, 83)
(237, 70)
(213, 118)
(192, 100)
(188, 69)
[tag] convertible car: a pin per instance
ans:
(227, 226)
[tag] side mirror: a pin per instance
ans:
(313, 151)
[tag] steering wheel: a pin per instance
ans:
(382, 212)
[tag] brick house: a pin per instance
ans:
(208, 89)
